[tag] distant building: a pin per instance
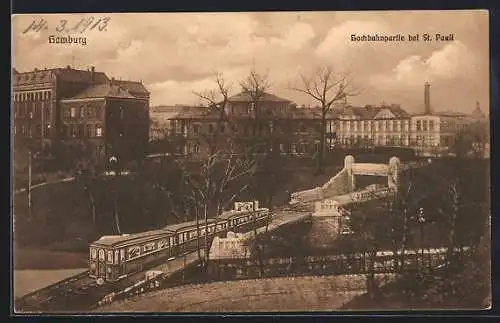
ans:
(391, 126)
(54, 108)
(276, 125)
(161, 120)
(368, 126)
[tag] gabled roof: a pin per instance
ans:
(105, 90)
(246, 96)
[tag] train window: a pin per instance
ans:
(181, 238)
(93, 253)
(149, 247)
(162, 244)
(110, 256)
(134, 252)
(117, 256)
(171, 241)
(101, 255)
(122, 255)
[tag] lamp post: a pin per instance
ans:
(421, 220)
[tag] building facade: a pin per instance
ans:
(55, 108)
(368, 126)
(275, 125)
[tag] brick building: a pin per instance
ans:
(56, 108)
(275, 125)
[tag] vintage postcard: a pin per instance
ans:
(250, 162)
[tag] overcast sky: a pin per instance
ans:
(175, 54)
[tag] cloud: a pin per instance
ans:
(175, 54)
(338, 39)
(454, 60)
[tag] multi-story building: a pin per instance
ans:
(428, 132)
(274, 126)
(53, 108)
(161, 120)
(368, 126)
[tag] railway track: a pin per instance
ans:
(74, 285)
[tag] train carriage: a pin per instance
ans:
(241, 221)
(114, 257)
(187, 235)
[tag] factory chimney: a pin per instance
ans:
(427, 98)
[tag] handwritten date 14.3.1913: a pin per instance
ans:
(82, 25)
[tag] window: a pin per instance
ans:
(46, 130)
(162, 244)
(98, 130)
(148, 247)
(47, 112)
(117, 256)
(93, 254)
(271, 126)
(110, 256)
(89, 130)
(98, 112)
(38, 129)
(134, 252)
(425, 125)
(122, 255)
(80, 130)
(82, 112)
(72, 112)
(89, 112)
(48, 95)
(419, 125)
(196, 149)
(30, 131)
(101, 255)
(72, 129)
(196, 128)
(431, 125)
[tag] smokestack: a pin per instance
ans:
(427, 98)
(92, 71)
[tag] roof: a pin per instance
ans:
(449, 114)
(64, 74)
(195, 113)
(105, 90)
(369, 112)
(121, 240)
(132, 86)
(180, 226)
(245, 96)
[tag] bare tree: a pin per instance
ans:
(217, 101)
(327, 88)
(255, 85)
(220, 173)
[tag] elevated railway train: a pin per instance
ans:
(112, 258)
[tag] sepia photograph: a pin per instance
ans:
(250, 162)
